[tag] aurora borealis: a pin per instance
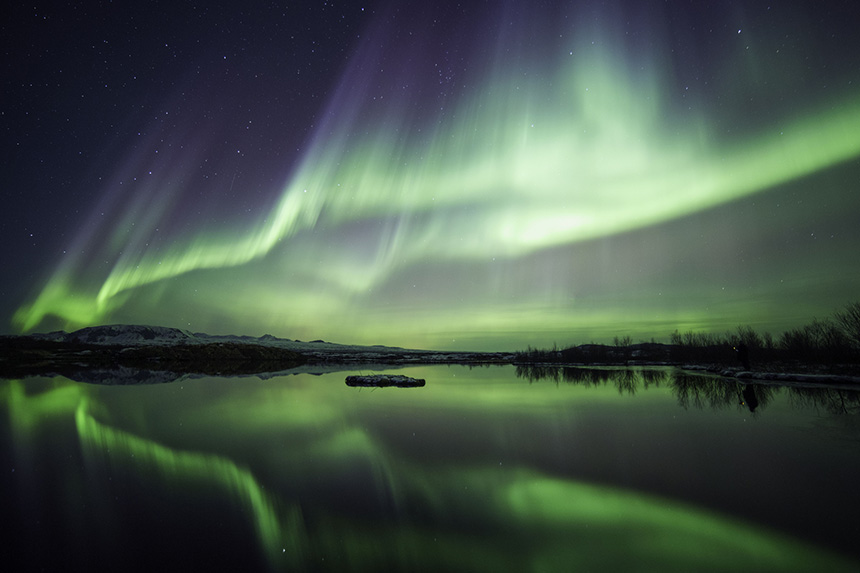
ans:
(472, 177)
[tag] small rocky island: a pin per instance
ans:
(384, 381)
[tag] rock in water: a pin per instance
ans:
(384, 381)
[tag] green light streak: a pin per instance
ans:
(27, 412)
(281, 537)
(587, 151)
(428, 507)
(659, 532)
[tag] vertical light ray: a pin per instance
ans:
(588, 146)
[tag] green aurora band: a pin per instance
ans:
(589, 149)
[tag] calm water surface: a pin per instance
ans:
(484, 469)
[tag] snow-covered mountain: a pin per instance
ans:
(135, 335)
(129, 334)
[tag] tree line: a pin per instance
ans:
(831, 340)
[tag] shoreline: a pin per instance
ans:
(133, 354)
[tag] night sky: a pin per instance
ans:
(473, 175)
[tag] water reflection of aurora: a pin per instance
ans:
(315, 477)
(405, 224)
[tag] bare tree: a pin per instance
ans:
(848, 321)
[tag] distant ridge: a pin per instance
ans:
(130, 335)
(141, 354)
(134, 335)
(122, 334)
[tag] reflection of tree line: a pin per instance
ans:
(695, 390)
(626, 380)
(718, 393)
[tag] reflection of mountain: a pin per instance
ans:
(123, 375)
(696, 390)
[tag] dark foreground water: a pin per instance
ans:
(485, 469)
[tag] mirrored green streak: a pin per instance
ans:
(27, 412)
(282, 537)
(653, 530)
(427, 507)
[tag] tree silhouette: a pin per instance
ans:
(849, 321)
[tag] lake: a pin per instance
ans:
(482, 469)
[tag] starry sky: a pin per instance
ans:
(450, 175)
